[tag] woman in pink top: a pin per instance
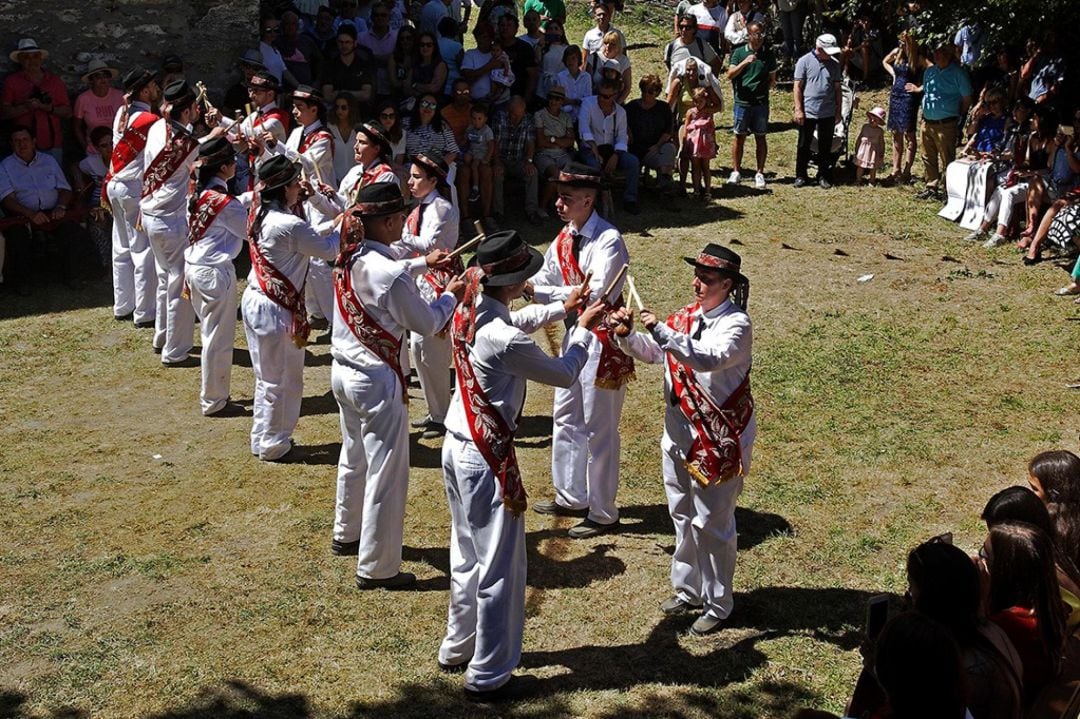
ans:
(97, 106)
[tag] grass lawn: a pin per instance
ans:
(154, 568)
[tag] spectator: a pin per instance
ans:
(381, 43)
(649, 126)
(400, 64)
(1060, 179)
(1055, 479)
(343, 122)
(474, 177)
(533, 34)
(478, 64)
(269, 30)
(451, 51)
(322, 32)
(456, 114)
(870, 146)
(551, 57)
(36, 99)
(97, 106)
(172, 69)
(349, 71)
(576, 83)
(350, 15)
(604, 142)
(515, 157)
(89, 181)
(237, 94)
(522, 56)
(817, 108)
(752, 74)
(491, 11)
(689, 45)
(790, 14)
(394, 129)
(594, 37)
(969, 44)
(862, 48)
(548, 9)
(300, 53)
(427, 132)
(711, 17)
(918, 665)
(986, 125)
(905, 64)
(35, 188)
(737, 28)
(611, 55)
(946, 98)
(699, 141)
(1043, 75)
(554, 141)
(1002, 75)
(432, 15)
(429, 71)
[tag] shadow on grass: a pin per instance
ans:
(318, 404)
(754, 527)
(50, 298)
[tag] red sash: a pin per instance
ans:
(615, 368)
(131, 143)
(320, 134)
(367, 177)
(490, 432)
(274, 113)
(715, 455)
(207, 208)
(278, 287)
(178, 148)
(367, 331)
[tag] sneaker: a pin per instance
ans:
(759, 181)
(588, 528)
(705, 625)
(976, 236)
(674, 605)
(474, 194)
(799, 182)
(433, 430)
(995, 240)
(823, 183)
(734, 178)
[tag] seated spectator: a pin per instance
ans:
(1062, 177)
(299, 52)
(649, 126)
(401, 63)
(236, 96)
(515, 157)
(919, 666)
(34, 188)
(474, 172)
(97, 106)
(390, 120)
(35, 98)
(1024, 599)
(986, 123)
(522, 58)
(610, 55)
(737, 28)
(594, 37)
(349, 15)
(427, 132)
(322, 32)
(457, 113)
(604, 142)
(381, 42)
(269, 31)
(1055, 479)
(479, 63)
(1002, 75)
(574, 81)
(554, 143)
(551, 57)
(752, 73)
(89, 178)
(349, 71)
(689, 45)
(451, 51)
(342, 122)
(429, 71)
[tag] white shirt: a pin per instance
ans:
(595, 126)
(171, 197)
(318, 154)
(577, 88)
(37, 184)
(386, 289)
(439, 229)
(720, 358)
(344, 160)
(288, 242)
(225, 236)
(265, 124)
(474, 60)
(348, 184)
(275, 64)
(602, 251)
(504, 358)
(133, 172)
(709, 19)
(594, 38)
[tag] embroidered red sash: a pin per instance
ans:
(320, 134)
(367, 331)
(715, 455)
(178, 148)
(615, 368)
(207, 208)
(277, 286)
(367, 177)
(274, 113)
(490, 432)
(131, 144)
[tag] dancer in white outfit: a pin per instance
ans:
(585, 436)
(494, 358)
(217, 225)
(275, 320)
(709, 428)
(133, 271)
(377, 301)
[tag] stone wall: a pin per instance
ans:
(208, 34)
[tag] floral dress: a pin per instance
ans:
(701, 137)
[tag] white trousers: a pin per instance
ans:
(319, 290)
(174, 326)
(373, 468)
(133, 271)
(213, 297)
(279, 374)
(1003, 202)
(487, 571)
(703, 565)
(431, 358)
(585, 444)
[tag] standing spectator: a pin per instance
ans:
(594, 38)
(36, 99)
(97, 106)
(712, 18)
(474, 180)
(522, 57)
(817, 108)
(870, 147)
(700, 141)
(946, 98)
(737, 29)
(969, 44)
(905, 64)
(548, 9)
(690, 45)
(790, 14)
(380, 41)
(349, 71)
(752, 74)
(343, 121)
(611, 55)
(299, 52)
(554, 141)
(451, 51)
(533, 34)
(1044, 72)
(515, 140)
(649, 126)
(604, 142)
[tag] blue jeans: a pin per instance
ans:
(628, 163)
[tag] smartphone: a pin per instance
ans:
(877, 613)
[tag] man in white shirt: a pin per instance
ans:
(602, 128)
(690, 44)
(479, 62)
(709, 427)
(594, 37)
(269, 29)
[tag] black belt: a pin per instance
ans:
(946, 121)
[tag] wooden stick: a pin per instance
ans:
(479, 228)
(614, 281)
(318, 173)
(585, 284)
(633, 292)
(466, 247)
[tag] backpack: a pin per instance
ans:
(670, 49)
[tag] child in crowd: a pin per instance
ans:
(476, 162)
(870, 148)
(89, 177)
(699, 141)
(577, 84)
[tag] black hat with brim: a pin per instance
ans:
(217, 151)
(577, 174)
(376, 134)
(276, 172)
(263, 81)
(434, 163)
(136, 79)
(506, 259)
(380, 198)
(719, 259)
(178, 93)
(308, 94)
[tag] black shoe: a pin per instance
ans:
(553, 507)
(588, 528)
(519, 687)
(676, 606)
(318, 323)
(454, 668)
(928, 194)
(401, 580)
(229, 409)
(823, 183)
(186, 362)
(799, 182)
(631, 207)
(345, 549)
(145, 324)
(421, 423)
(433, 430)
(123, 318)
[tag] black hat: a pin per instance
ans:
(577, 174)
(172, 62)
(308, 94)
(433, 162)
(178, 93)
(376, 134)
(136, 79)
(719, 258)
(215, 152)
(506, 259)
(379, 198)
(263, 80)
(277, 172)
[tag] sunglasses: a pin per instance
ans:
(429, 105)
(462, 92)
(427, 44)
(389, 115)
